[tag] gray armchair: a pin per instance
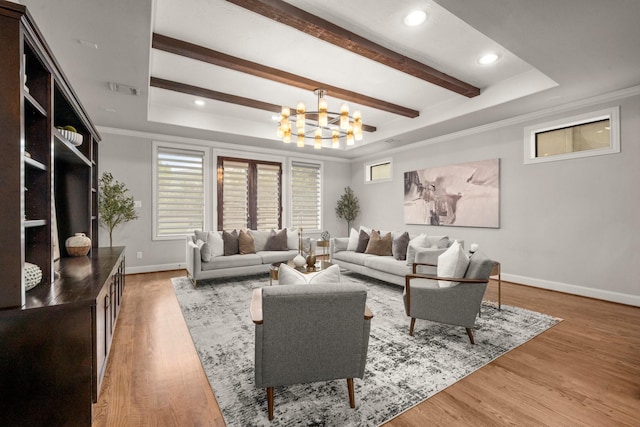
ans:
(309, 333)
(458, 305)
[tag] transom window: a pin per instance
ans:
(379, 171)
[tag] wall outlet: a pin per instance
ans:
(139, 255)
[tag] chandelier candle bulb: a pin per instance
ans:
(335, 141)
(322, 112)
(350, 140)
(344, 116)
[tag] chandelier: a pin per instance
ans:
(321, 124)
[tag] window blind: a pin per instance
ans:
(179, 191)
(305, 196)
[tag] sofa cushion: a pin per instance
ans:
(245, 243)
(387, 264)
(229, 261)
(270, 257)
(259, 239)
(378, 245)
(352, 257)
(290, 276)
(230, 243)
(400, 245)
(277, 241)
(452, 263)
(363, 241)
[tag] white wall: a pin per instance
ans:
(128, 156)
(571, 225)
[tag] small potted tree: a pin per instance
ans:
(348, 207)
(114, 206)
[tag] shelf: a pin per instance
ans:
(35, 104)
(34, 163)
(34, 223)
(64, 149)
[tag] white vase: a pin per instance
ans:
(299, 261)
(78, 245)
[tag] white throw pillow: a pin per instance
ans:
(199, 243)
(292, 238)
(290, 276)
(353, 240)
(417, 242)
(452, 263)
(214, 239)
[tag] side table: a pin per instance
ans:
(495, 271)
(324, 244)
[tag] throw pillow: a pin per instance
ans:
(414, 244)
(245, 243)
(363, 241)
(452, 263)
(438, 242)
(230, 243)
(277, 241)
(205, 253)
(201, 235)
(199, 244)
(292, 238)
(259, 239)
(290, 276)
(214, 240)
(379, 245)
(353, 240)
(400, 245)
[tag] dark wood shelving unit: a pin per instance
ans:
(54, 338)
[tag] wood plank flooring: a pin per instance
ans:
(583, 372)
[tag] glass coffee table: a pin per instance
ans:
(275, 267)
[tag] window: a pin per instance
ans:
(305, 196)
(591, 134)
(379, 171)
(249, 194)
(178, 191)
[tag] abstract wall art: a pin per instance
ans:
(464, 195)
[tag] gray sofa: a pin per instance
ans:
(237, 265)
(387, 268)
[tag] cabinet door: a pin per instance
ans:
(102, 326)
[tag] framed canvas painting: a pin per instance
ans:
(464, 195)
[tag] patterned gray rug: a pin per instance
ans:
(401, 371)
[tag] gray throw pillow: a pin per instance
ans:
(277, 241)
(201, 235)
(363, 241)
(230, 243)
(400, 245)
(205, 253)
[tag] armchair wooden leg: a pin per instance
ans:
(270, 402)
(470, 333)
(413, 324)
(352, 395)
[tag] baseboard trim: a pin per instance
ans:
(155, 268)
(600, 294)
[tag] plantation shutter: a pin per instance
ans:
(179, 191)
(305, 195)
(249, 194)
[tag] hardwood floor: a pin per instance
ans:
(583, 372)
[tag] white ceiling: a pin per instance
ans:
(551, 53)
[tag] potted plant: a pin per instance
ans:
(348, 207)
(114, 206)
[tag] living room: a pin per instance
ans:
(567, 226)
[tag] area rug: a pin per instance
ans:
(401, 370)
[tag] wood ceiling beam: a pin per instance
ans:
(315, 26)
(200, 53)
(225, 97)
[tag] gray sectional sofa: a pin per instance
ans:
(200, 266)
(388, 268)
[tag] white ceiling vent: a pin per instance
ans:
(126, 89)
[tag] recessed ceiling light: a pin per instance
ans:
(487, 59)
(199, 102)
(414, 18)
